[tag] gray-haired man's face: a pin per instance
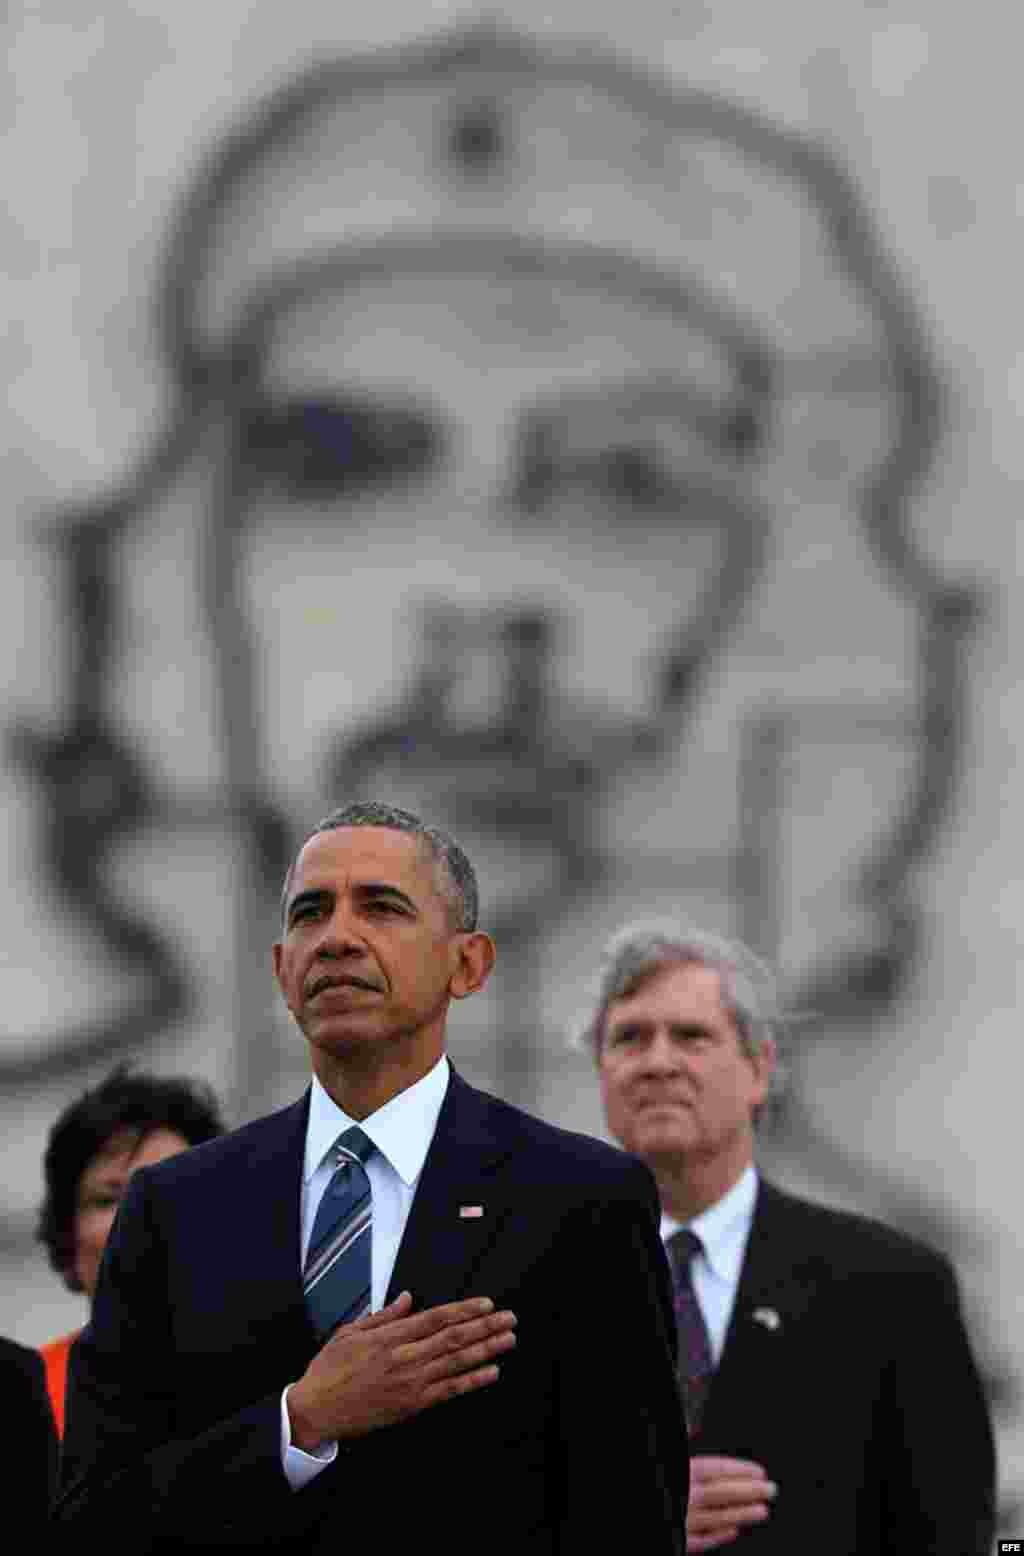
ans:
(677, 1084)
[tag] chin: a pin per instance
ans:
(351, 1041)
(669, 1142)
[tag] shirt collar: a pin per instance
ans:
(401, 1130)
(724, 1227)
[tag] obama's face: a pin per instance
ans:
(484, 441)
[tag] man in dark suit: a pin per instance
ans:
(399, 1312)
(831, 1394)
(30, 1447)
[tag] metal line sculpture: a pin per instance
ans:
(755, 359)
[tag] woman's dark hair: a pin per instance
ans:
(125, 1101)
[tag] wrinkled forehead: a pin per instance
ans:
(553, 147)
(344, 857)
(668, 973)
(678, 987)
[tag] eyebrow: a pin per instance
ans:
(382, 889)
(639, 406)
(308, 898)
(318, 895)
(647, 1023)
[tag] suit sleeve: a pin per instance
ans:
(626, 1456)
(126, 1462)
(30, 1457)
(939, 1460)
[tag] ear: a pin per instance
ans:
(763, 1064)
(277, 951)
(475, 955)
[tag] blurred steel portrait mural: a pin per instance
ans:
(541, 451)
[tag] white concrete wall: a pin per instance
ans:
(107, 116)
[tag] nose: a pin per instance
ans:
(476, 694)
(504, 672)
(661, 1056)
(338, 938)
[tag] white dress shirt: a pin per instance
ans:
(723, 1229)
(401, 1131)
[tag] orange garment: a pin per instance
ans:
(55, 1360)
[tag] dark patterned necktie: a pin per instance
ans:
(336, 1278)
(695, 1364)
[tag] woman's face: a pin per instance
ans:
(100, 1190)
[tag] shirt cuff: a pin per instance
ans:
(301, 1467)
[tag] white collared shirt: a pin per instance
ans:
(723, 1229)
(402, 1131)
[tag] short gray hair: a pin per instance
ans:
(456, 876)
(637, 952)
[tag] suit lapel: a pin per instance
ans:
(265, 1236)
(441, 1247)
(771, 1299)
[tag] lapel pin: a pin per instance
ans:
(766, 1316)
(470, 1212)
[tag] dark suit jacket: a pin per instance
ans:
(29, 1458)
(863, 1402)
(173, 1425)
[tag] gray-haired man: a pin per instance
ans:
(825, 1369)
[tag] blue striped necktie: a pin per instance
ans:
(336, 1278)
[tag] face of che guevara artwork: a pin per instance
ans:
(542, 456)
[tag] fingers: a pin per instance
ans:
(387, 1315)
(459, 1356)
(456, 1338)
(703, 1520)
(732, 1494)
(709, 1466)
(393, 1364)
(468, 1357)
(696, 1543)
(404, 1326)
(461, 1383)
(441, 1342)
(432, 1320)
(726, 1497)
(707, 1531)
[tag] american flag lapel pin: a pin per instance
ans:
(470, 1212)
